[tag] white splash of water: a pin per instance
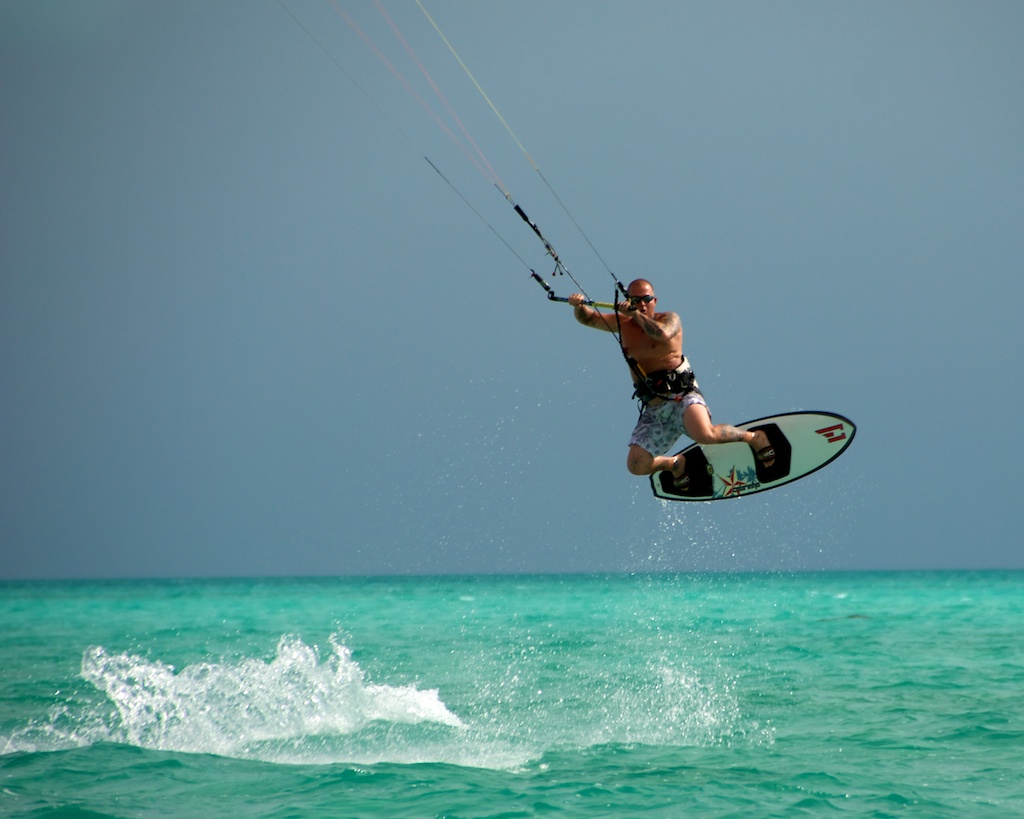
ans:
(269, 709)
(307, 706)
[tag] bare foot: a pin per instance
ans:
(679, 479)
(762, 448)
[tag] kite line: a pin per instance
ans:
(468, 146)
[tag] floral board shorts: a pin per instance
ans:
(659, 427)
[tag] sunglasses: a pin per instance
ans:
(644, 299)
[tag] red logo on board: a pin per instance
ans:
(732, 485)
(833, 434)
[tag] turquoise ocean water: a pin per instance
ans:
(895, 694)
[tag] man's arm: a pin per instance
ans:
(589, 317)
(661, 326)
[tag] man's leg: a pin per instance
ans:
(657, 428)
(641, 462)
(701, 430)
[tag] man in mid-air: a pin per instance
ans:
(672, 402)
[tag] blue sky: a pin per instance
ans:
(246, 329)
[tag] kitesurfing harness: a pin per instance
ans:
(665, 384)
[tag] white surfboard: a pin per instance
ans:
(804, 442)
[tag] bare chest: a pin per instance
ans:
(652, 353)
